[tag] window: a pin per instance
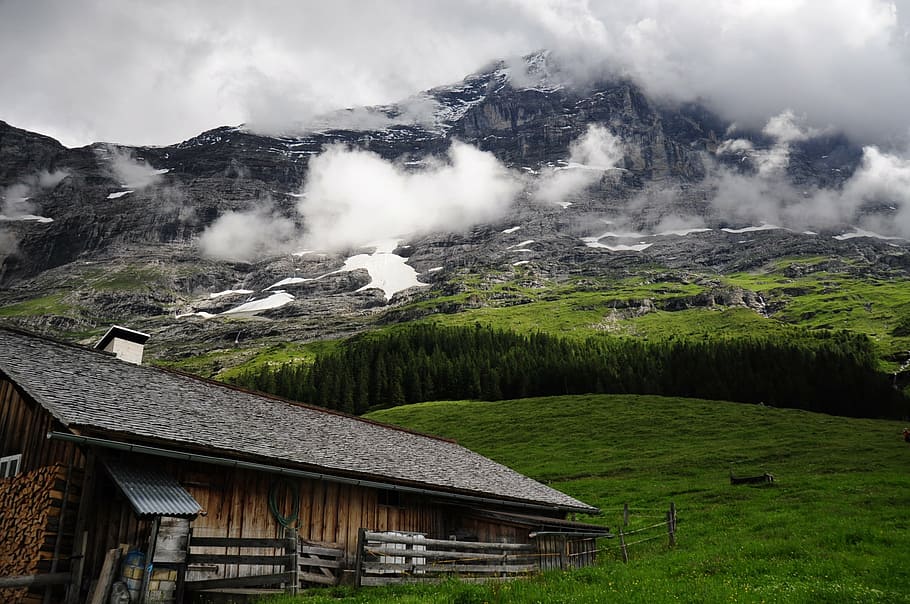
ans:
(390, 498)
(9, 465)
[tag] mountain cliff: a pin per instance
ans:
(107, 233)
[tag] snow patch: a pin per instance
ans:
(522, 244)
(25, 217)
(572, 165)
(276, 300)
(681, 232)
(435, 269)
(752, 229)
(118, 195)
(228, 292)
(857, 232)
(203, 314)
(511, 230)
(289, 281)
(521, 263)
(639, 247)
(388, 272)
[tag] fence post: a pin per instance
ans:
(293, 547)
(671, 529)
(622, 544)
(358, 560)
(625, 514)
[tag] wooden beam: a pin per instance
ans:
(30, 580)
(307, 550)
(149, 556)
(392, 580)
(443, 543)
(108, 569)
(358, 564)
(319, 563)
(236, 542)
(81, 538)
(320, 579)
(441, 555)
(376, 567)
(273, 560)
(273, 579)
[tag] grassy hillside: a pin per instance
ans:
(809, 293)
(834, 528)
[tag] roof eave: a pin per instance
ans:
(230, 458)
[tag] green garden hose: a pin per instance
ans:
(291, 519)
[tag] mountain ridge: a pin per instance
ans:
(120, 240)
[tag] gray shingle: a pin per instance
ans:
(87, 388)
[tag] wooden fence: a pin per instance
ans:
(395, 557)
(319, 563)
(562, 551)
(284, 558)
(292, 562)
(666, 529)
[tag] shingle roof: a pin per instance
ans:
(85, 388)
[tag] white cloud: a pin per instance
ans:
(16, 201)
(249, 235)
(132, 173)
(590, 155)
(882, 178)
(9, 243)
(353, 197)
(156, 73)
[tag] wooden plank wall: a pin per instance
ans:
(111, 522)
(465, 526)
(236, 503)
(23, 429)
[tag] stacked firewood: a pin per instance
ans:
(33, 520)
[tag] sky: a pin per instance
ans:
(138, 72)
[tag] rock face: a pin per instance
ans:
(101, 245)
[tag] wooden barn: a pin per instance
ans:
(118, 476)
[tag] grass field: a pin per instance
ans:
(834, 528)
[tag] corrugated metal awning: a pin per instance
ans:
(152, 492)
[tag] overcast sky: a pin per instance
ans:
(143, 72)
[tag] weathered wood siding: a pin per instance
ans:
(23, 429)
(237, 505)
(110, 521)
(464, 526)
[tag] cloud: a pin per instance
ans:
(9, 243)
(249, 235)
(882, 180)
(590, 155)
(353, 197)
(132, 173)
(16, 197)
(160, 72)
(783, 129)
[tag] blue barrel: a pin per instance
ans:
(133, 570)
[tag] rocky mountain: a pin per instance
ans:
(107, 233)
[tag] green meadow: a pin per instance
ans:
(835, 526)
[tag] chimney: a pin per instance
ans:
(126, 344)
